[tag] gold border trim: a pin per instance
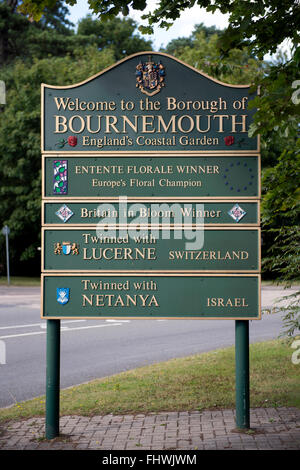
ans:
(43, 317)
(153, 153)
(156, 153)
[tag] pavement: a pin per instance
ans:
(271, 429)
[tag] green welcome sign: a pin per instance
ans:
(147, 102)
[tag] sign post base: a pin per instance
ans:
(242, 374)
(52, 379)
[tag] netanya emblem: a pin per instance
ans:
(237, 213)
(62, 295)
(150, 77)
(66, 248)
(64, 213)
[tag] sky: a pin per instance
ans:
(182, 27)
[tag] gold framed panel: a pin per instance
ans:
(158, 200)
(258, 276)
(152, 198)
(154, 271)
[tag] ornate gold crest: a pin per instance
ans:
(150, 77)
(66, 248)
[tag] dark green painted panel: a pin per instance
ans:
(161, 212)
(217, 250)
(140, 296)
(232, 176)
(196, 113)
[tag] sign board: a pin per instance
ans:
(142, 296)
(159, 250)
(152, 177)
(150, 134)
(149, 129)
(93, 212)
(148, 102)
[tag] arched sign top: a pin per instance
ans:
(148, 102)
(146, 53)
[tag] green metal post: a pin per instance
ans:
(52, 379)
(242, 374)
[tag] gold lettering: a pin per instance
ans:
(221, 117)
(60, 124)
(235, 123)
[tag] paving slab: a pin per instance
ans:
(271, 429)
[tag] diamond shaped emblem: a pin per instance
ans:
(237, 213)
(64, 213)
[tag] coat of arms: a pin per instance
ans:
(150, 77)
(66, 248)
(62, 295)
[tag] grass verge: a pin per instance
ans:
(204, 381)
(21, 281)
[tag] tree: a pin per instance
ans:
(201, 51)
(53, 34)
(22, 38)
(261, 25)
(176, 46)
(117, 33)
(20, 155)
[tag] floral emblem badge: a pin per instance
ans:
(237, 213)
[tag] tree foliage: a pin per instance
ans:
(20, 155)
(24, 39)
(201, 51)
(261, 25)
(117, 33)
(53, 34)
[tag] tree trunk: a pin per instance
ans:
(12, 4)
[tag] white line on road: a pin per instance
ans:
(62, 329)
(117, 321)
(42, 325)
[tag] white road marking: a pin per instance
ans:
(32, 333)
(117, 321)
(42, 325)
(62, 329)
